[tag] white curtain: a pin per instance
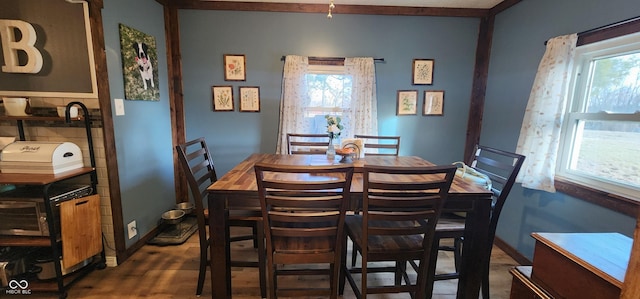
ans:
(363, 112)
(360, 114)
(540, 133)
(293, 100)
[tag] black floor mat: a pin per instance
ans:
(176, 234)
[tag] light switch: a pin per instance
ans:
(119, 103)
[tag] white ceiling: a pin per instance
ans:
(414, 3)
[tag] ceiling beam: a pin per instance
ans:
(323, 8)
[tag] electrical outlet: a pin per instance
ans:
(132, 229)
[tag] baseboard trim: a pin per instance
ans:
(138, 244)
(512, 252)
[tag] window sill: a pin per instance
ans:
(624, 205)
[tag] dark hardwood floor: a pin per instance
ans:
(172, 271)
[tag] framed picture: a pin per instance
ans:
(222, 98)
(422, 71)
(234, 67)
(139, 65)
(407, 102)
(249, 99)
(433, 102)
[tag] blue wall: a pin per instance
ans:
(518, 46)
(264, 37)
(143, 134)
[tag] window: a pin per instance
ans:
(601, 128)
(312, 90)
(329, 90)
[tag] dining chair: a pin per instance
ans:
(380, 145)
(400, 209)
(197, 164)
(501, 167)
(307, 144)
(303, 209)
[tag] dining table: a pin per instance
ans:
(238, 188)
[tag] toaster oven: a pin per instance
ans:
(23, 213)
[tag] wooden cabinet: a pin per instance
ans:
(577, 265)
(522, 287)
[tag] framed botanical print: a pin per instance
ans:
(433, 103)
(249, 99)
(222, 98)
(422, 71)
(407, 102)
(234, 67)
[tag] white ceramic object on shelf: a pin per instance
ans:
(73, 111)
(15, 106)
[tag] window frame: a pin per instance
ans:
(607, 195)
(324, 68)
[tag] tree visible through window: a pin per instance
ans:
(329, 92)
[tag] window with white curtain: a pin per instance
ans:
(600, 136)
(329, 90)
(310, 91)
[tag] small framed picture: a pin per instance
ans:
(422, 71)
(222, 98)
(249, 99)
(433, 102)
(234, 67)
(407, 102)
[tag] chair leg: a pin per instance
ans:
(457, 253)
(255, 230)
(485, 281)
(343, 267)
(202, 271)
(262, 264)
(431, 271)
(354, 256)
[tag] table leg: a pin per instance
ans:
(474, 250)
(219, 251)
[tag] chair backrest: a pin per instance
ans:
(502, 167)
(303, 209)
(309, 144)
(411, 198)
(380, 145)
(197, 165)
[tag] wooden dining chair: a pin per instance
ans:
(380, 145)
(304, 210)
(400, 209)
(502, 168)
(197, 164)
(307, 144)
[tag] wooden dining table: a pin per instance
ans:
(238, 188)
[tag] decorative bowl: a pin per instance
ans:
(347, 154)
(173, 216)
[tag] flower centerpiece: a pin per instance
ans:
(333, 126)
(333, 129)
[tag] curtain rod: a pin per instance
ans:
(332, 58)
(605, 27)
